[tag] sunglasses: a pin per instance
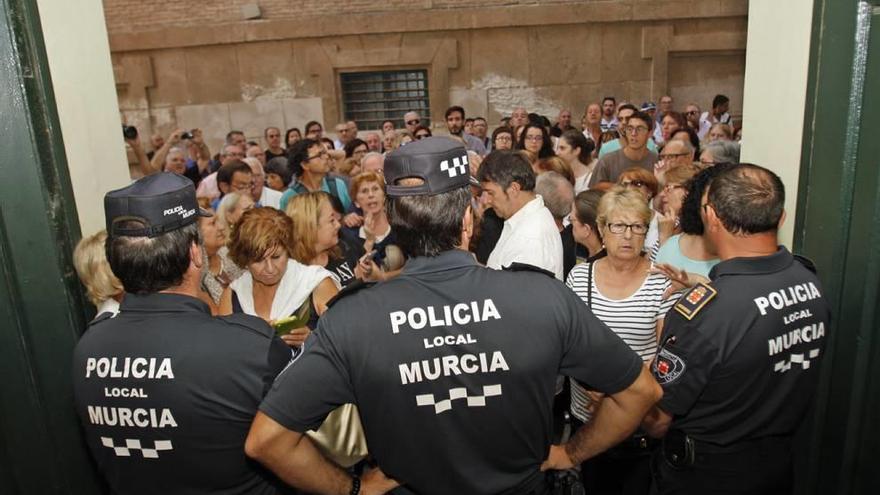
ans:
(632, 183)
(413, 122)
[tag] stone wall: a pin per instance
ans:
(217, 71)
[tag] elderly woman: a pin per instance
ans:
(621, 291)
(230, 209)
(536, 139)
(577, 151)
(219, 270)
(90, 261)
(644, 182)
(274, 286)
(375, 235)
(316, 237)
(583, 223)
(720, 152)
(390, 141)
(502, 138)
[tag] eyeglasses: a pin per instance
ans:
(665, 156)
(635, 228)
(632, 183)
(506, 139)
(413, 122)
(242, 186)
(422, 136)
(534, 138)
(635, 130)
(692, 112)
(322, 154)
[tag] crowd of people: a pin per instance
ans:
(614, 209)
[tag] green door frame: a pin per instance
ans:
(42, 309)
(838, 226)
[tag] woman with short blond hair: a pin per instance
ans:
(274, 285)
(104, 290)
(622, 292)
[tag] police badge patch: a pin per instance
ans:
(694, 300)
(667, 367)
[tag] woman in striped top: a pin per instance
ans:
(621, 292)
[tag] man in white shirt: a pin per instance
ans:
(718, 115)
(695, 121)
(262, 195)
(529, 235)
(609, 120)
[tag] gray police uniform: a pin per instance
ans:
(166, 395)
(453, 367)
(738, 363)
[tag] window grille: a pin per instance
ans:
(369, 98)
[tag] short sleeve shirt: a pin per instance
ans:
(453, 368)
(745, 364)
(166, 395)
(610, 166)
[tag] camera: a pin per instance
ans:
(186, 135)
(129, 132)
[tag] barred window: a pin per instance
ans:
(369, 98)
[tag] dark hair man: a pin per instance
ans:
(237, 138)
(453, 384)
(165, 392)
(310, 164)
(273, 143)
(718, 431)
(314, 130)
(718, 115)
(609, 120)
(636, 127)
(481, 131)
(455, 125)
(530, 235)
(235, 176)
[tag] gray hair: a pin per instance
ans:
(557, 193)
(724, 151)
(371, 155)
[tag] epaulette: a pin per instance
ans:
(695, 300)
(349, 290)
(525, 267)
(807, 262)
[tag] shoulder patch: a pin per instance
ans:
(695, 300)
(807, 262)
(525, 267)
(349, 290)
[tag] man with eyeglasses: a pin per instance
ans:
(675, 154)
(623, 114)
(412, 120)
(481, 131)
(635, 154)
(310, 163)
(234, 176)
(739, 356)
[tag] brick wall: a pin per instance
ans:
(139, 15)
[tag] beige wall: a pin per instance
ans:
(777, 64)
(82, 77)
(545, 55)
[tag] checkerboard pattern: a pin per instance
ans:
(458, 393)
(796, 358)
(135, 444)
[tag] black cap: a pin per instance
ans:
(439, 161)
(161, 202)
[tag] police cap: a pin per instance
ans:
(161, 202)
(442, 164)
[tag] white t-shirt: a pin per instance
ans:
(529, 236)
(634, 319)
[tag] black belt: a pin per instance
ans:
(681, 450)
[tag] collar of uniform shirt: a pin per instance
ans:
(523, 214)
(777, 261)
(448, 260)
(162, 303)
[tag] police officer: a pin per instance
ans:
(739, 356)
(165, 392)
(452, 365)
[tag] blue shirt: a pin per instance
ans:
(670, 252)
(336, 188)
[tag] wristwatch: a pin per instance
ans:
(355, 485)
